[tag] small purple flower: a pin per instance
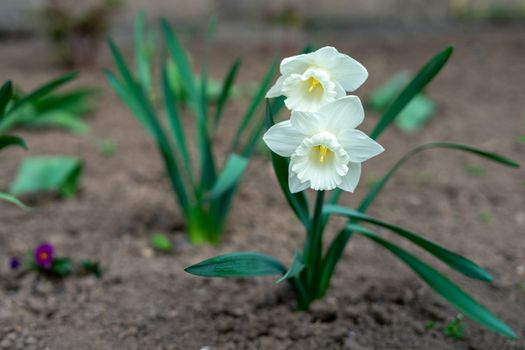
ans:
(44, 255)
(14, 263)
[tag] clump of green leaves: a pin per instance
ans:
(204, 193)
(312, 268)
(44, 107)
(455, 329)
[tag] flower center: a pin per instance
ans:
(44, 256)
(323, 152)
(314, 84)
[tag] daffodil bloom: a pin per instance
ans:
(325, 147)
(309, 81)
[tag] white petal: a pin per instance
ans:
(342, 114)
(307, 123)
(295, 64)
(350, 181)
(358, 145)
(283, 139)
(276, 89)
(294, 183)
(350, 73)
(327, 56)
(339, 90)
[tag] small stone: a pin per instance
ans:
(6, 343)
(30, 340)
(147, 252)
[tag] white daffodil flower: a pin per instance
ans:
(325, 148)
(309, 81)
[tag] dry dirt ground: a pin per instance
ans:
(146, 301)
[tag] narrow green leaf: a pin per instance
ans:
(12, 199)
(8, 140)
(207, 165)
(240, 264)
(256, 135)
(297, 201)
(230, 175)
(256, 101)
(442, 285)
(171, 103)
(455, 261)
(6, 93)
(142, 60)
(44, 90)
(61, 119)
(379, 185)
(75, 101)
(225, 91)
(141, 107)
(382, 96)
(180, 59)
(335, 251)
(126, 97)
(50, 174)
(333, 255)
(294, 270)
(422, 78)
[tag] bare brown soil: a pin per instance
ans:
(146, 301)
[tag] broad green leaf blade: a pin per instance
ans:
(455, 261)
(6, 93)
(416, 113)
(230, 175)
(240, 264)
(12, 199)
(8, 141)
(225, 90)
(297, 201)
(422, 78)
(379, 185)
(442, 285)
(294, 270)
(48, 174)
(44, 90)
(256, 101)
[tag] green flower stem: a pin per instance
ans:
(314, 247)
